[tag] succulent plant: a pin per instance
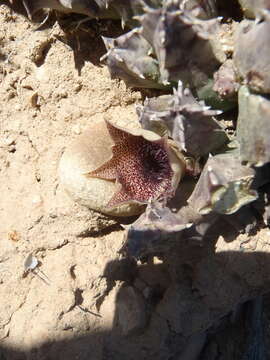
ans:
(221, 91)
(225, 185)
(174, 41)
(125, 10)
(86, 7)
(185, 46)
(189, 122)
(225, 83)
(203, 9)
(253, 127)
(252, 53)
(155, 231)
(131, 58)
(128, 9)
(147, 167)
(128, 57)
(104, 9)
(159, 230)
(170, 42)
(141, 167)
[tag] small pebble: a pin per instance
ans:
(37, 200)
(76, 129)
(9, 141)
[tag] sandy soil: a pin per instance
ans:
(85, 301)
(45, 103)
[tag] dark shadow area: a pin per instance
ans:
(182, 194)
(84, 36)
(103, 232)
(121, 222)
(229, 9)
(193, 303)
(2, 57)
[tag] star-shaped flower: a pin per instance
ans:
(140, 164)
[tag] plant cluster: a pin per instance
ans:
(214, 72)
